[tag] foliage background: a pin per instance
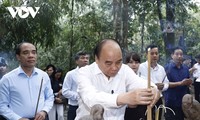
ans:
(62, 28)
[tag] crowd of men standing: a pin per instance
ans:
(28, 92)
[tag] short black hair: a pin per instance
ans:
(3, 61)
(49, 66)
(98, 47)
(132, 55)
(198, 56)
(151, 47)
(176, 48)
(80, 53)
(18, 47)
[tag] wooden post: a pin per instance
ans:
(149, 110)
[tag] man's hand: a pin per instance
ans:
(139, 97)
(58, 100)
(41, 115)
(192, 69)
(186, 81)
(160, 86)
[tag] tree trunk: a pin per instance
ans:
(125, 18)
(72, 35)
(168, 29)
(143, 25)
(117, 20)
(170, 38)
(120, 13)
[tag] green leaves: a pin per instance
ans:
(62, 28)
(40, 29)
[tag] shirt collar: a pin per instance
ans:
(77, 68)
(174, 65)
(156, 68)
(21, 71)
(97, 69)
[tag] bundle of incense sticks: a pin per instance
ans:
(149, 110)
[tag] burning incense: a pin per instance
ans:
(149, 111)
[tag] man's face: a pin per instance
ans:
(83, 60)
(177, 56)
(50, 71)
(109, 61)
(3, 69)
(154, 55)
(28, 55)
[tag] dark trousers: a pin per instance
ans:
(196, 90)
(179, 115)
(139, 113)
(2, 118)
(71, 114)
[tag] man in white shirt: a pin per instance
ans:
(158, 74)
(69, 89)
(112, 84)
(196, 75)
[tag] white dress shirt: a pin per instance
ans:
(95, 88)
(69, 89)
(158, 74)
(196, 73)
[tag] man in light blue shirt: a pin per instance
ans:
(26, 91)
(69, 89)
(3, 71)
